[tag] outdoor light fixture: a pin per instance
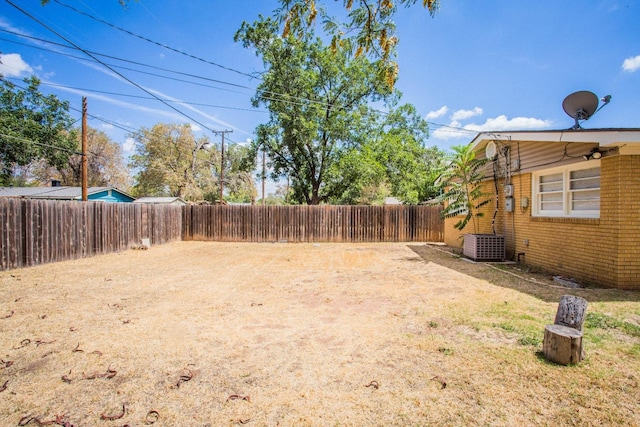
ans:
(594, 154)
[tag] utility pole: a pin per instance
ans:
(85, 163)
(222, 132)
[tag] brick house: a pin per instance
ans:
(567, 201)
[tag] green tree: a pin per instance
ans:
(316, 97)
(32, 127)
(461, 184)
(239, 184)
(170, 161)
(369, 26)
(105, 160)
(391, 160)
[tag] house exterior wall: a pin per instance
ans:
(111, 196)
(601, 251)
(622, 219)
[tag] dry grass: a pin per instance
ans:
(210, 334)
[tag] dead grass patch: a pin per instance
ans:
(209, 334)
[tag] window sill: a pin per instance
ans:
(565, 220)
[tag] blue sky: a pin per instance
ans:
(477, 65)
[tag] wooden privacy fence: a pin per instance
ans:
(35, 232)
(313, 223)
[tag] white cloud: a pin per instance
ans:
(128, 146)
(455, 130)
(452, 131)
(107, 126)
(466, 114)
(503, 123)
(438, 113)
(13, 65)
(6, 25)
(631, 64)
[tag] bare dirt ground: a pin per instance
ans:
(216, 334)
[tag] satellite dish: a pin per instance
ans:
(491, 151)
(580, 105)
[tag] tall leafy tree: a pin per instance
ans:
(391, 160)
(170, 161)
(105, 161)
(32, 127)
(239, 184)
(316, 95)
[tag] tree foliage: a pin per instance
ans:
(391, 160)
(461, 183)
(369, 27)
(239, 184)
(105, 161)
(170, 161)
(316, 97)
(32, 127)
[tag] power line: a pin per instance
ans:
(266, 95)
(153, 41)
(188, 55)
(149, 98)
(115, 58)
(129, 129)
(107, 66)
(277, 97)
(42, 144)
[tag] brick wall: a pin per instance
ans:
(622, 218)
(604, 251)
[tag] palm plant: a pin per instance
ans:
(461, 187)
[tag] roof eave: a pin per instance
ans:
(603, 137)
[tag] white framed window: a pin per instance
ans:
(568, 191)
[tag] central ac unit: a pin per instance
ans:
(484, 247)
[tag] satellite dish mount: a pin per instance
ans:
(582, 105)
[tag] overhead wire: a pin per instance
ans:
(108, 67)
(266, 95)
(132, 131)
(111, 57)
(153, 41)
(104, 92)
(274, 96)
(253, 76)
(42, 144)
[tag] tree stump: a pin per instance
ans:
(562, 344)
(563, 340)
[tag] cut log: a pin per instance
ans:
(562, 345)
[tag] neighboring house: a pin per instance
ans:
(567, 201)
(392, 201)
(95, 194)
(176, 201)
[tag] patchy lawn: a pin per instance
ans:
(214, 334)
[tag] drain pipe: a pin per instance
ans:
(495, 182)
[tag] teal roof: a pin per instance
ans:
(104, 194)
